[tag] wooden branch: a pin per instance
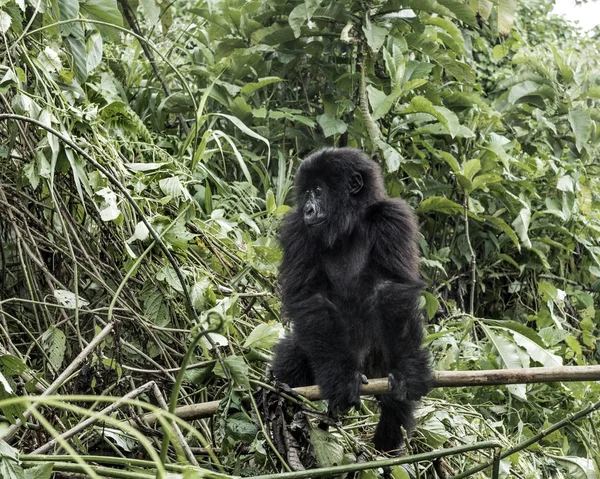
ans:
(443, 379)
(71, 368)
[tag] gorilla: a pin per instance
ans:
(350, 284)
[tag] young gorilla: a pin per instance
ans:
(350, 284)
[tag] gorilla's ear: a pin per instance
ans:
(356, 183)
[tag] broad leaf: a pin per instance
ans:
(582, 126)
(441, 204)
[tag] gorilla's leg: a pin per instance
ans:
(395, 414)
(412, 377)
(291, 364)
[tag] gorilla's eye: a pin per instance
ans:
(318, 191)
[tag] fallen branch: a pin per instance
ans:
(145, 470)
(94, 419)
(74, 366)
(443, 379)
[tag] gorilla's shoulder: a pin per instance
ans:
(390, 211)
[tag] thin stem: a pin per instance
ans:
(538, 437)
(362, 466)
(473, 257)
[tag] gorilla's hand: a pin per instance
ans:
(347, 394)
(402, 388)
(397, 386)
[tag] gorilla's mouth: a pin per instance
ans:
(315, 223)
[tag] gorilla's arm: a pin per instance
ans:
(393, 229)
(396, 297)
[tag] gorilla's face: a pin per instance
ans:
(315, 206)
(320, 204)
(334, 188)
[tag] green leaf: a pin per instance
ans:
(460, 10)
(368, 474)
(274, 35)
(521, 226)
(529, 340)
(12, 365)
(483, 7)
(592, 92)
(581, 124)
(429, 6)
(43, 471)
(500, 51)
(577, 467)
(301, 14)
(5, 21)
(537, 352)
(93, 48)
(331, 125)
(151, 10)
(448, 158)
(240, 428)
(172, 187)
(240, 124)
(375, 35)
(584, 197)
(10, 467)
(398, 472)
(447, 118)
(506, 15)
(168, 275)
(328, 451)
(198, 293)
(238, 370)
(179, 237)
(55, 343)
(144, 167)
(471, 168)
(566, 183)
(510, 357)
(49, 60)
(265, 335)
(392, 158)
(250, 88)
(434, 431)
(450, 28)
(68, 300)
(379, 101)
(431, 304)
(104, 10)
(177, 102)
(529, 88)
(481, 181)
(441, 204)
(30, 172)
(503, 226)
(156, 308)
(69, 10)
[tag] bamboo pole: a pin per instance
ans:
(442, 379)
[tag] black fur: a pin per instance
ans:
(351, 286)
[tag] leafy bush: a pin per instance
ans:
(199, 113)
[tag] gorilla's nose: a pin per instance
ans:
(309, 210)
(311, 215)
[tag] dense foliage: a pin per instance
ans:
(188, 120)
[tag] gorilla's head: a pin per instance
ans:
(334, 187)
